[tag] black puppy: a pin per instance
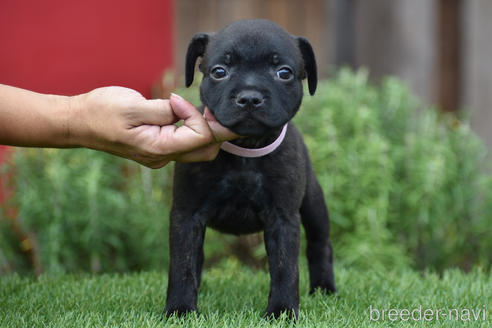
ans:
(252, 84)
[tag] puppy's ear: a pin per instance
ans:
(309, 63)
(196, 49)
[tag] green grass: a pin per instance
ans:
(235, 296)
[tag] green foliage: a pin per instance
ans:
(86, 210)
(234, 296)
(404, 185)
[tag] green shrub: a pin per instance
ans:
(86, 210)
(404, 185)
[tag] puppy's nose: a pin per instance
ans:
(249, 99)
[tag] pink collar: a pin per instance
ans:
(254, 152)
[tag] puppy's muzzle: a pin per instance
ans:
(250, 99)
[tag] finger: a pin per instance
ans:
(220, 132)
(208, 115)
(191, 117)
(204, 154)
(157, 164)
(193, 134)
(150, 160)
(154, 112)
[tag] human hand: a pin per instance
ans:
(122, 122)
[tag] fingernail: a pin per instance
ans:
(177, 96)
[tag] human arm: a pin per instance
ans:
(117, 120)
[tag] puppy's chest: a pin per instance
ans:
(243, 188)
(242, 201)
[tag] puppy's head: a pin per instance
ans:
(252, 75)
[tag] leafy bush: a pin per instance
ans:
(404, 185)
(85, 210)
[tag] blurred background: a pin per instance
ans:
(401, 144)
(440, 48)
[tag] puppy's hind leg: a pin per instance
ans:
(316, 222)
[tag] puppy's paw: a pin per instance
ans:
(326, 287)
(178, 311)
(275, 311)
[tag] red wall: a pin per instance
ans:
(70, 47)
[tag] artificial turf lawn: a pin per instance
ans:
(234, 296)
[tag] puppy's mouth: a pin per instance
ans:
(247, 124)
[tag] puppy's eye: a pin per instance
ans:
(284, 73)
(218, 73)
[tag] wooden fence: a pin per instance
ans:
(438, 47)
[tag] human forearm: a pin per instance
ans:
(116, 120)
(32, 119)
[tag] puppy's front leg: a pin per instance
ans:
(186, 245)
(282, 246)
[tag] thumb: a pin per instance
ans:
(155, 112)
